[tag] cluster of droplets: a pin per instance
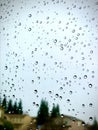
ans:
(52, 55)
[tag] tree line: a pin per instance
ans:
(12, 108)
(44, 117)
(43, 114)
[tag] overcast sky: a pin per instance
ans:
(49, 49)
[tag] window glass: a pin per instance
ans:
(48, 50)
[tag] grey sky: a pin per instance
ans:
(49, 50)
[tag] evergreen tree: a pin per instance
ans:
(95, 125)
(10, 107)
(4, 103)
(55, 111)
(43, 113)
(15, 108)
(20, 111)
(0, 101)
(58, 110)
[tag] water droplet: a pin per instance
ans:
(34, 103)
(35, 91)
(29, 29)
(65, 78)
(90, 118)
(73, 31)
(90, 105)
(6, 67)
(63, 125)
(85, 76)
(36, 62)
(70, 92)
(90, 85)
(13, 96)
(68, 100)
(37, 105)
(56, 95)
(32, 81)
(30, 15)
(83, 105)
(61, 48)
(61, 88)
(60, 97)
(55, 40)
(91, 51)
(17, 66)
(75, 76)
(62, 115)
(50, 92)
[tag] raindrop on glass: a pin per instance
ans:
(85, 76)
(35, 91)
(29, 29)
(90, 105)
(90, 85)
(56, 95)
(68, 100)
(90, 118)
(75, 76)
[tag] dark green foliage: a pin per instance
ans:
(4, 103)
(20, 111)
(0, 101)
(95, 125)
(10, 107)
(43, 113)
(58, 110)
(1, 127)
(55, 111)
(6, 125)
(15, 108)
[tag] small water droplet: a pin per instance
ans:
(90, 104)
(35, 91)
(56, 95)
(83, 105)
(68, 100)
(30, 15)
(29, 29)
(75, 76)
(62, 115)
(55, 40)
(85, 76)
(90, 118)
(90, 85)
(70, 92)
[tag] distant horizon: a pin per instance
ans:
(26, 113)
(61, 114)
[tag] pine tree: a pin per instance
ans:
(4, 103)
(15, 108)
(95, 125)
(0, 101)
(10, 107)
(58, 110)
(55, 111)
(20, 111)
(43, 113)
